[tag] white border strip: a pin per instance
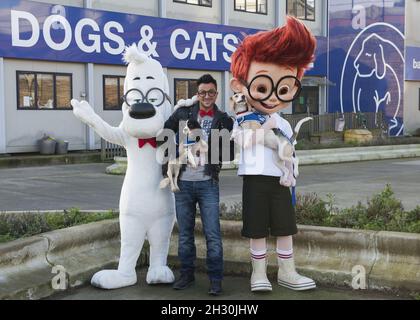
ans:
(2, 109)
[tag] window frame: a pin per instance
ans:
(256, 3)
(35, 73)
(182, 79)
(118, 77)
(200, 4)
(306, 10)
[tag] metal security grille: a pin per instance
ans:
(110, 150)
(326, 122)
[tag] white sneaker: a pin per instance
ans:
(289, 278)
(259, 280)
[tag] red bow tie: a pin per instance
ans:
(151, 141)
(204, 113)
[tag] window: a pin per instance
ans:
(253, 6)
(308, 101)
(113, 87)
(301, 9)
(204, 3)
(44, 91)
(185, 89)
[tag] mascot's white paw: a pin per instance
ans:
(186, 103)
(164, 183)
(160, 275)
(83, 111)
(112, 279)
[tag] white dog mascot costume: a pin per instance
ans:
(146, 211)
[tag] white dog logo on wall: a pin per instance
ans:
(372, 78)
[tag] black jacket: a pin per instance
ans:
(221, 120)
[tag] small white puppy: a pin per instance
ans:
(277, 140)
(248, 122)
(188, 150)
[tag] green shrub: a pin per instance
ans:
(353, 217)
(382, 212)
(18, 225)
(413, 216)
(310, 209)
(384, 207)
(234, 212)
(6, 238)
(23, 224)
(408, 221)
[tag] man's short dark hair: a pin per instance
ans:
(206, 78)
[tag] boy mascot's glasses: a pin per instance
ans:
(262, 87)
(154, 96)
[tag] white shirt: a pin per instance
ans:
(258, 159)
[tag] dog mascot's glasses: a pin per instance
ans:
(262, 87)
(154, 96)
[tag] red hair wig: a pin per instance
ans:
(291, 45)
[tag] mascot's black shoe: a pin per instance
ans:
(184, 281)
(215, 288)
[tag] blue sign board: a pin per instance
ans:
(34, 30)
(366, 48)
(412, 66)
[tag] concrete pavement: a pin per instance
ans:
(234, 288)
(86, 186)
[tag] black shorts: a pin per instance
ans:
(266, 208)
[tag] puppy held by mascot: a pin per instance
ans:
(146, 211)
(267, 68)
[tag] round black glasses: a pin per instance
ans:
(262, 87)
(154, 96)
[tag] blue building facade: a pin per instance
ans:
(363, 62)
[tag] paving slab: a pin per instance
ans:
(234, 288)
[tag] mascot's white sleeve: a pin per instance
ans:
(83, 111)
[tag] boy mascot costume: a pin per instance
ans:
(267, 68)
(145, 209)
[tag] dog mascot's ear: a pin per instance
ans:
(379, 58)
(133, 55)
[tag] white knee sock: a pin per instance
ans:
(258, 255)
(258, 248)
(284, 254)
(284, 248)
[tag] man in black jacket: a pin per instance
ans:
(201, 185)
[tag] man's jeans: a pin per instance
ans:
(206, 194)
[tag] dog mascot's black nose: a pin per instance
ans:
(142, 111)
